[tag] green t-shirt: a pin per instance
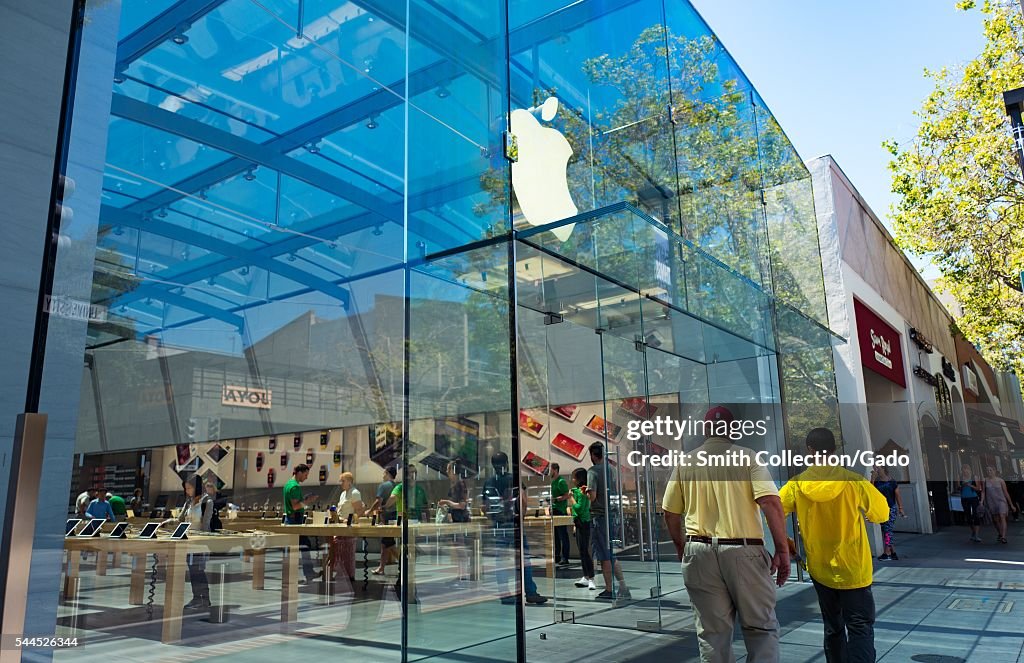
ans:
(117, 505)
(581, 510)
(421, 499)
(558, 488)
(292, 491)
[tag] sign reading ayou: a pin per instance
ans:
(245, 397)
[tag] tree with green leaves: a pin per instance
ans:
(961, 192)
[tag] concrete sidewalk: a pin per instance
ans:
(946, 600)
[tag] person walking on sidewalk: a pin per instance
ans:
(579, 503)
(560, 507)
(830, 505)
(997, 501)
(970, 498)
(891, 489)
(712, 512)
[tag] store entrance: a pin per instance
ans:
(595, 359)
(607, 339)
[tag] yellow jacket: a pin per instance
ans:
(830, 503)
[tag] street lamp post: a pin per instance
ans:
(1014, 102)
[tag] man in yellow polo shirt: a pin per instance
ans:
(830, 503)
(726, 569)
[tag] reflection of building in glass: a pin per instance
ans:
(319, 235)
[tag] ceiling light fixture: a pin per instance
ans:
(377, 230)
(162, 213)
(250, 174)
(313, 147)
(442, 92)
(119, 77)
(371, 122)
(179, 37)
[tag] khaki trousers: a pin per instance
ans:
(723, 581)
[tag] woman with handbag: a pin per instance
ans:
(997, 501)
(970, 498)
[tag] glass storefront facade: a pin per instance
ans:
(407, 235)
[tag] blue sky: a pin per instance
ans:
(842, 76)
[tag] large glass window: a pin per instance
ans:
(353, 276)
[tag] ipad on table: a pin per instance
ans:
(149, 531)
(93, 527)
(70, 525)
(179, 531)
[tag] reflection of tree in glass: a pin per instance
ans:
(693, 160)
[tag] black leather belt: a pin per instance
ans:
(715, 540)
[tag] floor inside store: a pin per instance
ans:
(933, 602)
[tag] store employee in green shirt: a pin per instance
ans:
(295, 514)
(397, 499)
(560, 507)
(117, 505)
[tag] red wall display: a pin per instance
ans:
(880, 348)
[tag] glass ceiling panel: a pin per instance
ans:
(244, 59)
(136, 13)
(363, 154)
(147, 159)
(191, 104)
(111, 196)
(521, 12)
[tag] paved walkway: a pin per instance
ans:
(946, 600)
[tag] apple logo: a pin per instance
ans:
(539, 174)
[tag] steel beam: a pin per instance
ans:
(161, 28)
(226, 249)
(271, 156)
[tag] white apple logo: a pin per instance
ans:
(539, 175)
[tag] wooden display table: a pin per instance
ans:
(548, 524)
(173, 553)
(367, 531)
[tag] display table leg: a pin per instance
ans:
(259, 568)
(137, 588)
(549, 533)
(174, 594)
(72, 574)
(290, 583)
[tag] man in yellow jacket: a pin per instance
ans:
(831, 503)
